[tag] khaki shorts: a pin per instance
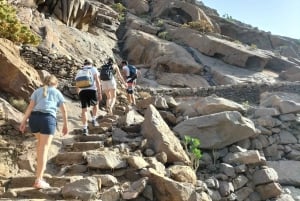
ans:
(108, 84)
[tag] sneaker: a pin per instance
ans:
(41, 184)
(85, 131)
(95, 123)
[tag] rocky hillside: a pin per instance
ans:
(221, 81)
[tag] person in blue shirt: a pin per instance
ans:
(41, 113)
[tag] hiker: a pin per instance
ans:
(109, 84)
(89, 91)
(130, 74)
(41, 113)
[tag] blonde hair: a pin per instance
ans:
(50, 80)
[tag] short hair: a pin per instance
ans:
(125, 62)
(88, 61)
(110, 60)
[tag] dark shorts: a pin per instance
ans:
(43, 123)
(130, 90)
(88, 98)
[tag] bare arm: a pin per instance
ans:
(121, 78)
(65, 118)
(26, 116)
(138, 72)
(98, 85)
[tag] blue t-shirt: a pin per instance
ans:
(48, 104)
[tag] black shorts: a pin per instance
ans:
(130, 89)
(88, 98)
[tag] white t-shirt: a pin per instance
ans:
(126, 69)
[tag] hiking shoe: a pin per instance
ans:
(85, 131)
(41, 184)
(95, 123)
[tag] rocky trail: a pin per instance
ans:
(66, 156)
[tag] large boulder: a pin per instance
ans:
(287, 172)
(218, 130)
(16, 76)
(166, 189)
(208, 105)
(10, 113)
(134, 22)
(291, 74)
(160, 55)
(138, 6)
(161, 139)
(284, 102)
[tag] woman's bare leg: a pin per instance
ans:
(109, 101)
(113, 95)
(44, 142)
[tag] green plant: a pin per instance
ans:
(164, 35)
(237, 42)
(252, 47)
(120, 8)
(159, 23)
(20, 104)
(201, 25)
(191, 146)
(246, 104)
(12, 29)
(228, 17)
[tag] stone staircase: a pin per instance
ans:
(71, 165)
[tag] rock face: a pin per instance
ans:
(16, 76)
(217, 130)
(161, 55)
(138, 7)
(81, 13)
(250, 35)
(230, 52)
(180, 12)
(233, 165)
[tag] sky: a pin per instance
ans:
(280, 17)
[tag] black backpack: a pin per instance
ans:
(106, 72)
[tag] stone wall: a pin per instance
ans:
(62, 66)
(65, 67)
(239, 93)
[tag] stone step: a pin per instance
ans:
(29, 193)
(69, 158)
(21, 187)
(85, 146)
(20, 182)
(93, 130)
(92, 137)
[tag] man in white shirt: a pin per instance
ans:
(90, 96)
